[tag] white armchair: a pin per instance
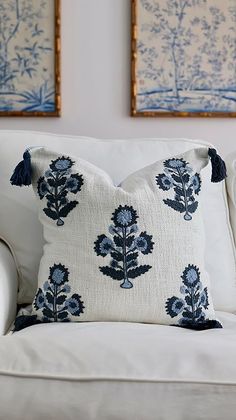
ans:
(231, 189)
(106, 371)
(8, 288)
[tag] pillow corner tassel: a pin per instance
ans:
(23, 171)
(218, 166)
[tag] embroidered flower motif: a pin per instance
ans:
(55, 186)
(40, 299)
(61, 164)
(103, 245)
(191, 276)
(74, 305)
(178, 175)
(165, 182)
(144, 243)
(58, 274)
(53, 300)
(194, 302)
(124, 216)
(196, 183)
(124, 248)
(175, 306)
(204, 298)
(74, 183)
(175, 163)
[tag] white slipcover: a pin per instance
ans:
(231, 188)
(8, 288)
(120, 371)
(111, 371)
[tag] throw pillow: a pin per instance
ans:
(129, 253)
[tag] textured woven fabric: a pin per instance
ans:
(129, 253)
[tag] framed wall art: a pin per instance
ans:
(30, 58)
(183, 58)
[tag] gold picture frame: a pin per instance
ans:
(213, 101)
(30, 79)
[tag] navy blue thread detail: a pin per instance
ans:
(53, 299)
(23, 171)
(55, 185)
(219, 172)
(178, 175)
(124, 247)
(193, 304)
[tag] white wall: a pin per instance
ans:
(96, 82)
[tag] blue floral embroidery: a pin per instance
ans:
(194, 301)
(53, 300)
(124, 247)
(55, 185)
(179, 176)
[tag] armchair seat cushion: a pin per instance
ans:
(58, 371)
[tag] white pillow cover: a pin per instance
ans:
(129, 253)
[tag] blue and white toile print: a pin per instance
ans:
(186, 56)
(27, 69)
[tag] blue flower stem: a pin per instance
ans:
(193, 306)
(198, 304)
(187, 216)
(126, 283)
(57, 205)
(55, 303)
(60, 175)
(192, 295)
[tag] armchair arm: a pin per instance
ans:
(231, 189)
(8, 288)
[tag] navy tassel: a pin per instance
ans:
(22, 173)
(218, 166)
